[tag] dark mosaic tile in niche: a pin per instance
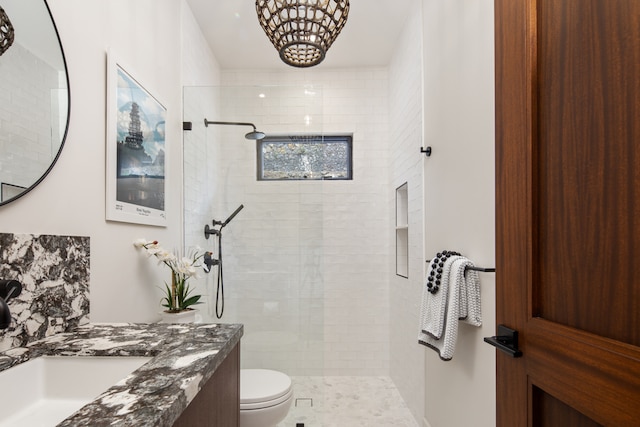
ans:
(54, 272)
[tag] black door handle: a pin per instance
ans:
(506, 340)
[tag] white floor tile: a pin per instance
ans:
(347, 401)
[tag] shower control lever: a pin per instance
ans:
(209, 262)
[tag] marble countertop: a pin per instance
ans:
(185, 356)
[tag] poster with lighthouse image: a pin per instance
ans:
(136, 150)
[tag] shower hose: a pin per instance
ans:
(220, 284)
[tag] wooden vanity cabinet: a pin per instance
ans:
(218, 403)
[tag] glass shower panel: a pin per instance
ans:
(272, 251)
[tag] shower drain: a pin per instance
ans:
(306, 400)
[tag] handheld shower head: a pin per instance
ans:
(210, 230)
(228, 220)
(253, 135)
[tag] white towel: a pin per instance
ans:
(461, 302)
(434, 305)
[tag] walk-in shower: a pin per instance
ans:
(273, 249)
(306, 262)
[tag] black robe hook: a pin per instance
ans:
(426, 151)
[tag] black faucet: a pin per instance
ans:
(8, 289)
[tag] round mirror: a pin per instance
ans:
(34, 96)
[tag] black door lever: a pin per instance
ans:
(506, 340)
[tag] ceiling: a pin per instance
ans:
(368, 38)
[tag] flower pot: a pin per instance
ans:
(185, 316)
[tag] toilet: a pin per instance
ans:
(265, 397)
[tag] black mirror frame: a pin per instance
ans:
(66, 129)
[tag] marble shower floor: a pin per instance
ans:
(347, 402)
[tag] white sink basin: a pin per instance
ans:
(44, 391)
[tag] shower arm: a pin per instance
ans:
(213, 122)
(255, 134)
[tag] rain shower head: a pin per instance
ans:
(253, 135)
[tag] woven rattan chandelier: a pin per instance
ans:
(302, 30)
(6, 32)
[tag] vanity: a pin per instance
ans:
(191, 378)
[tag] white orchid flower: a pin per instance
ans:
(139, 243)
(153, 251)
(187, 267)
(182, 268)
(164, 256)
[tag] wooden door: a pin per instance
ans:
(568, 211)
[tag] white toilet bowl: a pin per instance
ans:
(265, 397)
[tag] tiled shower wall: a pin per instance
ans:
(407, 365)
(54, 273)
(306, 263)
(30, 127)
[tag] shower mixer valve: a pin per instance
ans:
(209, 230)
(209, 262)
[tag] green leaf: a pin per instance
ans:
(168, 300)
(191, 301)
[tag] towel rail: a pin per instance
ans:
(480, 269)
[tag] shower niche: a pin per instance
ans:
(402, 231)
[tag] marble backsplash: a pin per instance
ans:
(54, 272)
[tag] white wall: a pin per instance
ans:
(406, 165)
(71, 200)
(199, 65)
(459, 194)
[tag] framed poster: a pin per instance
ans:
(136, 150)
